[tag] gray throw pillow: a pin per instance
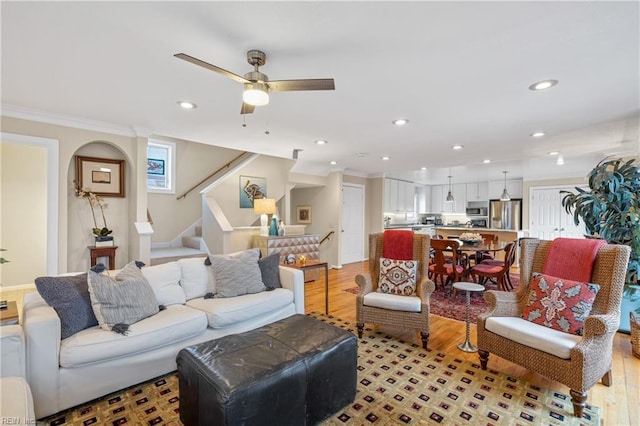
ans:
(270, 271)
(237, 275)
(121, 301)
(69, 297)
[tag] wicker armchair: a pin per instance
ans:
(590, 359)
(368, 283)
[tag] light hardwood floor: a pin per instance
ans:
(620, 403)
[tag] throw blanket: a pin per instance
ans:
(398, 245)
(572, 258)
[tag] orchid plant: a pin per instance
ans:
(95, 202)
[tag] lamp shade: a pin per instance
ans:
(505, 195)
(256, 94)
(264, 206)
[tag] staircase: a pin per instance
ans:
(191, 247)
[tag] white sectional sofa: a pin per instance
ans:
(95, 362)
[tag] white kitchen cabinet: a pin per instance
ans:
(514, 188)
(478, 191)
(437, 199)
(459, 204)
(399, 196)
(423, 198)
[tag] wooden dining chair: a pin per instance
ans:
(485, 255)
(496, 262)
(483, 272)
(447, 262)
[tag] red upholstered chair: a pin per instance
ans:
(394, 310)
(496, 269)
(448, 264)
(576, 361)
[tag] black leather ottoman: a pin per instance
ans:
(295, 371)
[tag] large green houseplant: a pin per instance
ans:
(610, 209)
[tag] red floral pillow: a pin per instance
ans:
(558, 303)
(397, 276)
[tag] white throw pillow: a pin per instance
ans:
(197, 278)
(165, 282)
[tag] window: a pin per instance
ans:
(161, 161)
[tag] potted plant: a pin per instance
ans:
(610, 210)
(103, 233)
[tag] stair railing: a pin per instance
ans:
(327, 237)
(223, 168)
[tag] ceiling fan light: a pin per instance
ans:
(256, 94)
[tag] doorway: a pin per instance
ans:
(352, 232)
(29, 199)
(548, 219)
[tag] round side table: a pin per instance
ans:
(466, 346)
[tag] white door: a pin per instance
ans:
(352, 232)
(548, 219)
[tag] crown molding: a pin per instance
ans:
(26, 113)
(355, 173)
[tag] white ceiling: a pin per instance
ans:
(459, 71)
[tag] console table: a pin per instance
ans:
(96, 252)
(306, 244)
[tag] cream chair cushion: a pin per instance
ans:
(392, 302)
(546, 339)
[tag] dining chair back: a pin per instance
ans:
(447, 262)
(486, 239)
(499, 270)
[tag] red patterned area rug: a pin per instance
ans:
(398, 383)
(443, 304)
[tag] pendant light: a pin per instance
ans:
(505, 195)
(450, 195)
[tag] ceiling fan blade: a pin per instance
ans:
(308, 84)
(211, 67)
(247, 109)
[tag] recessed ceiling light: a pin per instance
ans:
(187, 105)
(385, 158)
(537, 134)
(361, 154)
(456, 147)
(486, 161)
(542, 85)
(321, 142)
(554, 153)
(560, 160)
(400, 122)
(333, 163)
(423, 168)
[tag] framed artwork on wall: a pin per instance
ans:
(155, 166)
(251, 188)
(304, 214)
(104, 176)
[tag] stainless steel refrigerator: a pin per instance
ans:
(506, 214)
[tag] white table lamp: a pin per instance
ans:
(264, 207)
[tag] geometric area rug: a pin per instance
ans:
(398, 383)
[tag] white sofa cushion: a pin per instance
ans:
(165, 282)
(197, 279)
(231, 310)
(177, 322)
(546, 339)
(16, 401)
(392, 302)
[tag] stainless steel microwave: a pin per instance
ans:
(476, 211)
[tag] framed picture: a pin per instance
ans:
(155, 166)
(104, 176)
(304, 214)
(250, 189)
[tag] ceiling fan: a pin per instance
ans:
(257, 85)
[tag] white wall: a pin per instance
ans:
(194, 162)
(23, 223)
(74, 236)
